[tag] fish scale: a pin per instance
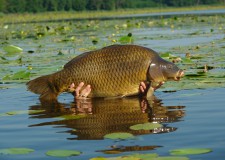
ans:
(112, 71)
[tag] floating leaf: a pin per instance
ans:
(187, 151)
(63, 153)
(18, 75)
(145, 126)
(126, 39)
(171, 158)
(98, 158)
(16, 151)
(3, 115)
(165, 55)
(119, 135)
(186, 60)
(123, 158)
(12, 49)
(11, 113)
(144, 156)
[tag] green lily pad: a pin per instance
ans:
(3, 114)
(63, 153)
(11, 113)
(12, 49)
(145, 126)
(126, 39)
(187, 151)
(119, 135)
(99, 158)
(18, 75)
(16, 151)
(171, 158)
(145, 156)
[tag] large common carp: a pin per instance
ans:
(112, 71)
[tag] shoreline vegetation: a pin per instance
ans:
(82, 15)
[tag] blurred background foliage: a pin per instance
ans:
(35, 6)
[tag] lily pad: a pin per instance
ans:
(99, 158)
(3, 114)
(187, 151)
(145, 156)
(126, 39)
(12, 49)
(18, 75)
(119, 135)
(171, 158)
(145, 126)
(16, 151)
(11, 113)
(63, 153)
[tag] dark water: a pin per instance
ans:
(190, 118)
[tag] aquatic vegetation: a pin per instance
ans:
(146, 126)
(16, 151)
(119, 135)
(62, 153)
(45, 47)
(188, 151)
(12, 49)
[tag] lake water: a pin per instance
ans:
(191, 111)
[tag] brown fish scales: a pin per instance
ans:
(112, 71)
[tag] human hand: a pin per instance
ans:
(78, 92)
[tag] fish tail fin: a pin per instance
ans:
(44, 86)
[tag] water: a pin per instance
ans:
(191, 117)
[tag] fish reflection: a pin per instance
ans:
(94, 118)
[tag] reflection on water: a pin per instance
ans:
(92, 119)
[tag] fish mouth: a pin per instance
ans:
(179, 75)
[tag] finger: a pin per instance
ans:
(142, 89)
(143, 85)
(77, 90)
(72, 85)
(71, 88)
(85, 92)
